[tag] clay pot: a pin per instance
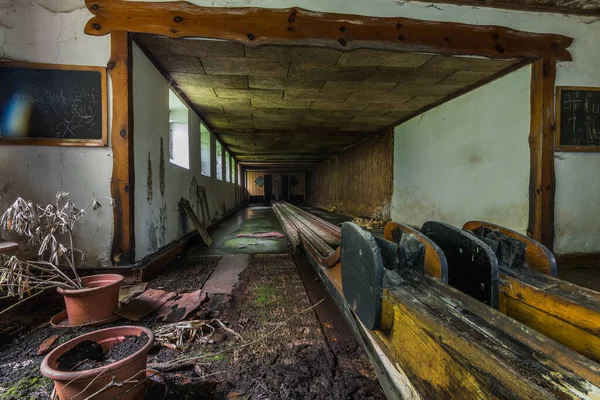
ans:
(97, 301)
(74, 385)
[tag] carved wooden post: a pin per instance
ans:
(122, 182)
(542, 181)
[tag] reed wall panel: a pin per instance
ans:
(358, 181)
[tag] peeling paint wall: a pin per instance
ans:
(158, 218)
(467, 159)
(45, 31)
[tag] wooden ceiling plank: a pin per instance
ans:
(210, 81)
(367, 87)
(317, 55)
(315, 71)
(314, 95)
(249, 94)
(302, 104)
(467, 63)
(192, 47)
(380, 58)
(268, 82)
(254, 26)
(323, 105)
(244, 66)
(379, 97)
(185, 64)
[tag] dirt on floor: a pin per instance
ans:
(284, 353)
(267, 343)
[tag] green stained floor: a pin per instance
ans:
(252, 219)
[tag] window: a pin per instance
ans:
(233, 175)
(205, 150)
(179, 143)
(227, 167)
(219, 160)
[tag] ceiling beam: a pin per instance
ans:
(255, 26)
(574, 7)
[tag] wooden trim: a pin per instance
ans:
(578, 259)
(256, 26)
(5, 141)
(148, 267)
(499, 4)
(582, 149)
(542, 181)
(122, 182)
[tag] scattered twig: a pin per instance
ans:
(175, 363)
(234, 333)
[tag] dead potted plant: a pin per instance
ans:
(88, 299)
(104, 364)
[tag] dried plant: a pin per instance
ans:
(45, 227)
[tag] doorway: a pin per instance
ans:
(285, 192)
(268, 188)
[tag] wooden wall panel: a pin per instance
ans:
(358, 181)
(255, 190)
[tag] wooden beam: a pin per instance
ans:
(255, 26)
(122, 182)
(542, 182)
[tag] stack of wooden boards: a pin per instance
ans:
(467, 313)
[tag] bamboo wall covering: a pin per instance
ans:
(357, 181)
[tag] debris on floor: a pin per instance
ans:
(47, 344)
(127, 292)
(146, 303)
(264, 235)
(260, 339)
(180, 306)
(369, 224)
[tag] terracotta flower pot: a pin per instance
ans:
(79, 385)
(97, 301)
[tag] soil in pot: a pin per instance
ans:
(89, 354)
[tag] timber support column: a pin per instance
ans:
(542, 181)
(122, 182)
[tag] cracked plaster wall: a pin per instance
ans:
(51, 31)
(466, 160)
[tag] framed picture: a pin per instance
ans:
(53, 105)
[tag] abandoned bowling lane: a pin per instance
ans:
(341, 201)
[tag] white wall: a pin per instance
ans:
(158, 217)
(467, 159)
(52, 32)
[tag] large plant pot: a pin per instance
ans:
(96, 302)
(78, 385)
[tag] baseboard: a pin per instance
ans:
(148, 267)
(578, 259)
